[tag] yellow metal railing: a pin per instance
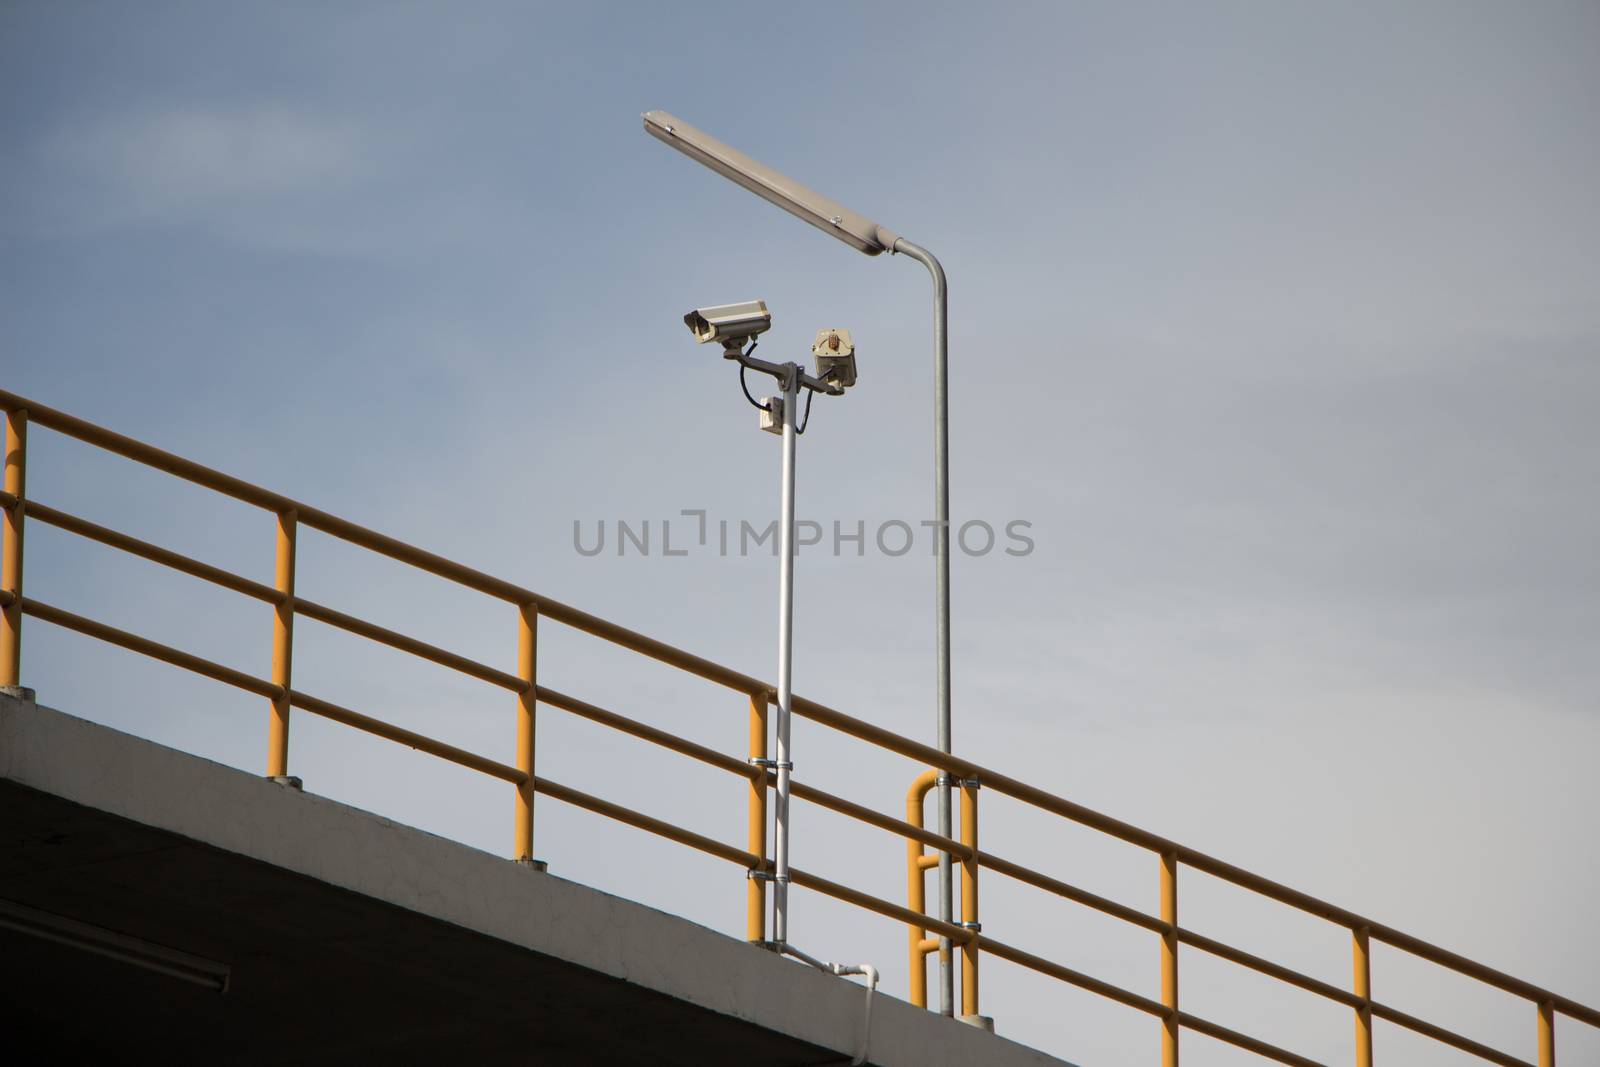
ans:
(967, 936)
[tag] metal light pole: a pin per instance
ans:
(733, 325)
(780, 880)
(864, 235)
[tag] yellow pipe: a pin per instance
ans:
(1433, 1032)
(755, 923)
(864, 814)
(308, 609)
(282, 646)
(16, 478)
(1066, 974)
(1547, 1034)
(410, 738)
(916, 891)
(897, 912)
(527, 702)
(40, 512)
(969, 896)
(1169, 959)
(154, 649)
(1361, 949)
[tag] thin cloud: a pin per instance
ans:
(263, 175)
(176, 159)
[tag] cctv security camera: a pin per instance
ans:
(836, 357)
(730, 324)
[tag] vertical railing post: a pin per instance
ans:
(755, 926)
(1361, 949)
(527, 705)
(917, 901)
(917, 866)
(282, 646)
(16, 484)
(1547, 1034)
(1169, 959)
(969, 899)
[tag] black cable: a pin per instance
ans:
(746, 389)
(753, 401)
(802, 427)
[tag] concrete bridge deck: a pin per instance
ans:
(135, 879)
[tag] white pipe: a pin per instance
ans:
(780, 880)
(841, 969)
(871, 974)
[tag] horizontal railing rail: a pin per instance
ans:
(967, 936)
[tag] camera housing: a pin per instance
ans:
(835, 354)
(729, 324)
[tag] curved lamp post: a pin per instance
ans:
(864, 235)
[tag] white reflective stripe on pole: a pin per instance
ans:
(780, 884)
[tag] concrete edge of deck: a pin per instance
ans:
(228, 809)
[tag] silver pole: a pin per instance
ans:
(780, 881)
(941, 515)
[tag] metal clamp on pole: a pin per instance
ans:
(771, 764)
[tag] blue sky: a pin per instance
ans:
(1277, 323)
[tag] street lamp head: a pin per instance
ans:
(857, 231)
(730, 324)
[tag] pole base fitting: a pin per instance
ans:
(982, 1022)
(20, 692)
(542, 866)
(288, 780)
